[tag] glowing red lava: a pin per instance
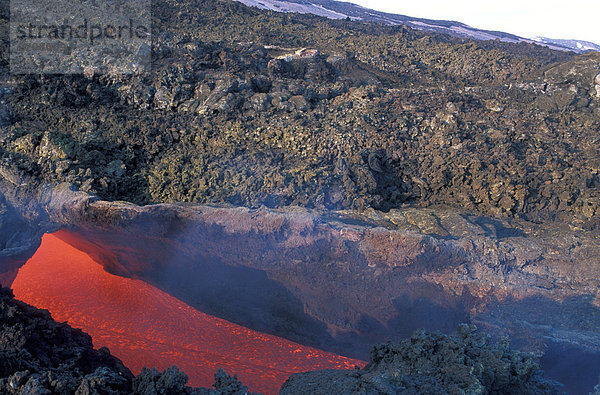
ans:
(144, 326)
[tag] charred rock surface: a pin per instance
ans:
(368, 116)
(172, 381)
(433, 363)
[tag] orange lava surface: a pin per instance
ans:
(144, 326)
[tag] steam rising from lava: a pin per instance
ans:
(147, 327)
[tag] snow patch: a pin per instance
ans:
(460, 30)
(573, 45)
(286, 6)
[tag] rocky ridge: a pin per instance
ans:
(385, 119)
(429, 363)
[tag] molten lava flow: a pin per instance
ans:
(144, 326)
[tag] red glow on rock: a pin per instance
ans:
(144, 326)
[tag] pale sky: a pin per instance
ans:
(572, 19)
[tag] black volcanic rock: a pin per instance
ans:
(256, 108)
(41, 356)
(432, 363)
(38, 354)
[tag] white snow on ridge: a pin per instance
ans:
(460, 30)
(422, 24)
(481, 35)
(286, 6)
(577, 45)
(316, 9)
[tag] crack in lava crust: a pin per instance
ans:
(144, 326)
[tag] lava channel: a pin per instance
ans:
(144, 326)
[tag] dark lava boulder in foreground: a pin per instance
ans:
(433, 363)
(39, 355)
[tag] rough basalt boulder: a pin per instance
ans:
(172, 381)
(432, 363)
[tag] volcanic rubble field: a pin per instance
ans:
(382, 181)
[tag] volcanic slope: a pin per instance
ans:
(235, 112)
